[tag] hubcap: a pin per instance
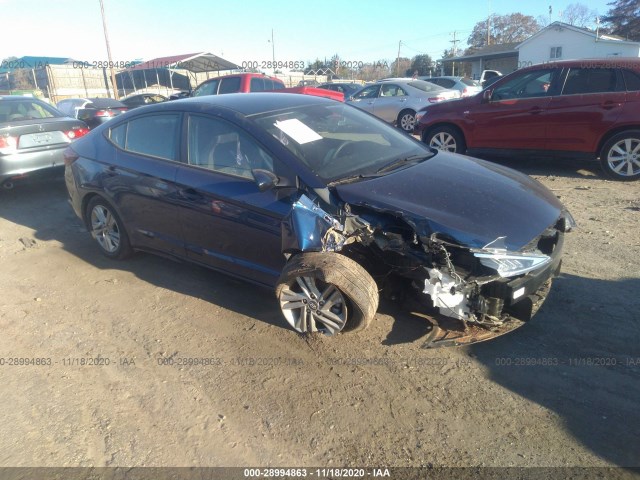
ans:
(104, 228)
(311, 305)
(443, 141)
(407, 121)
(624, 157)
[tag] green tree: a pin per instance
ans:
(623, 19)
(422, 64)
(514, 27)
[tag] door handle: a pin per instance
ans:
(190, 194)
(608, 105)
(112, 171)
(535, 111)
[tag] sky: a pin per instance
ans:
(303, 30)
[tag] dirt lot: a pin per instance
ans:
(563, 390)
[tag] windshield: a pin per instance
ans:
(340, 141)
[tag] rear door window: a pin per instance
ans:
(229, 85)
(258, 85)
(632, 80)
(153, 135)
(582, 81)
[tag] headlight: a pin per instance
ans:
(420, 114)
(512, 264)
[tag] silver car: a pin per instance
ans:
(397, 101)
(466, 86)
(33, 137)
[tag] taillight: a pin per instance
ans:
(465, 91)
(8, 144)
(69, 156)
(435, 99)
(76, 133)
(103, 113)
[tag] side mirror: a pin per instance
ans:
(265, 179)
(486, 95)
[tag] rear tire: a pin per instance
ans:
(620, 156)
(107, 229)
(447, 139)
(326, 293)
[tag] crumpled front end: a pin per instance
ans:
(478, 292)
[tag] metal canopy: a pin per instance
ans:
(193, 62)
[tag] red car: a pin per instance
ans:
(256, 82)
(583, 108)
(238, 83)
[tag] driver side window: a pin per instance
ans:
(368, 92)
(220, 146)
(526, 85)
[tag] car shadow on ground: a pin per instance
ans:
(552, 167)
(44, 208)
(579, 357)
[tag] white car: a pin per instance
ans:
(466, 86)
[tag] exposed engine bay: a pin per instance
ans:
(488, 290)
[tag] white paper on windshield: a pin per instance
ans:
(298, 131)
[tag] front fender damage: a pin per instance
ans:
(462, 299)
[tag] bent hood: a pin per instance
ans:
(471, 201)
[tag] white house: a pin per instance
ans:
(561, 41)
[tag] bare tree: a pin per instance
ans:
(579, 15)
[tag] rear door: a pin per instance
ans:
(590, 104)
(227, 223)
(141, 179)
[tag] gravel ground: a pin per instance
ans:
(561, 391)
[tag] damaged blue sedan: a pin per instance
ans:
(324, 203)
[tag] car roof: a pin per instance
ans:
(17, 98)
(246, 104)
(106, 102)
(611, 62)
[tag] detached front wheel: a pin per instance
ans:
(326, 293)
(620, 156)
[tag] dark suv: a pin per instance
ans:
(582, 108)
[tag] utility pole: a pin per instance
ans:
(398, 60)
(106, 39)
(455, 52)
(273, 52)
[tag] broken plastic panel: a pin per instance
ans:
(308, 228)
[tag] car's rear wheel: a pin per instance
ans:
(620, 156)
(407, 120)
(107, 229)
(326, 293)
(447, 139)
